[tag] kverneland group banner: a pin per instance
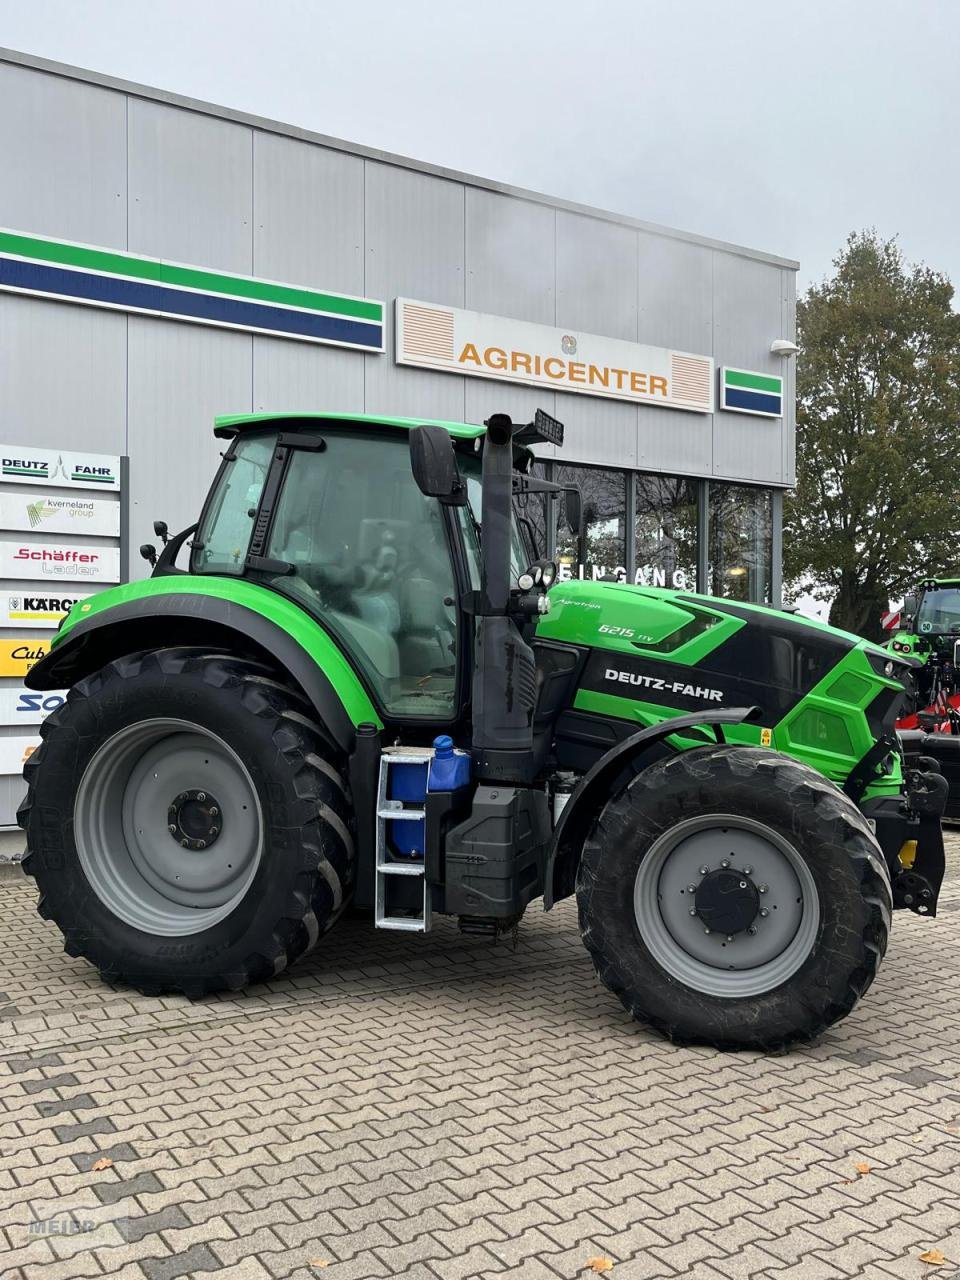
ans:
(487, 346)
(59, 561)
(60, 513)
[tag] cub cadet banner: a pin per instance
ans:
(15, 752)
(23, 464)
(18, 656)
(23, 706)
(58, 560)
(41, 609)
(60, 514)
(488, 346)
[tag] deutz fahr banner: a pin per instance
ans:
(61, 523)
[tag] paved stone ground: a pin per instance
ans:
(435, 1108)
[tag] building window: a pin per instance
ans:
(666, 532)
(741, 542)
(605, 520)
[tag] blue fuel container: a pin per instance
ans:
(449, 768)
(408, 782)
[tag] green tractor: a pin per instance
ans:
(368, 690)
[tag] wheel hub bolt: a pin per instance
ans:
(764, 912)
(752, 930)
(747, 871)
(214, 811)
(706, 930)
(729, 937)
(172, 828)
(184, 843)
(724, 865)
(201, 844)
(761, 888)
(693, 911)
(691, 888)
(704, 870)
(214, 831)
(201, 796)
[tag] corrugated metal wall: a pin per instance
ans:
(110, 168)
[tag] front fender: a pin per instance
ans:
(223, 612)
(563, 855)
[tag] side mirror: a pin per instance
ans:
(161, 530)
(434, 465)
(909, 607)
(149, 553)
(573, 510)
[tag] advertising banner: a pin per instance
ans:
(23, 464)
(59, 513)
(746, 391)
(18, 656)
(14, 753)
(24, 706)
(43, 608)
(96, 276)
(488, 346)
(58, 561)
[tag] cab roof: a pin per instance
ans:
(234, 424)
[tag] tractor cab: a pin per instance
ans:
(379, 531)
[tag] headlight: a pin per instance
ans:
(884, 666)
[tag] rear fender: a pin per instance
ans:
(630, 756)
(153, 620)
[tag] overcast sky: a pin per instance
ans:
(779, 126)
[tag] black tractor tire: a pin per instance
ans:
(294, 837)
(682, 983)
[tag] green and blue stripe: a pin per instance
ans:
(746, 392)
(126, 282)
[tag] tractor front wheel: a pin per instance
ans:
(732, 896)
(186, 824)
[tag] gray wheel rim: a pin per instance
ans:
(134, 864)
(706, 960)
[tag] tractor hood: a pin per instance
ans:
(655, 653)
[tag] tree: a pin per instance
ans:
(878, 433)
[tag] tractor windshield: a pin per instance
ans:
(369, 558)
(939, 612)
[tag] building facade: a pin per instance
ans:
(163, 260)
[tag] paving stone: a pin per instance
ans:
(87, 1159)
(70, 1132)
(919, 1076)
(50, 1082)
(81, 1102)
(148, 1224)
(140, 1184)
(197, 1258)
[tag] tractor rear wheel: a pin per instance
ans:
(732, 896)
(186, 823)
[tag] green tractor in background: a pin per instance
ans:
(929, 633)
(367, 688)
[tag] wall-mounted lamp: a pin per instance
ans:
(783, 347)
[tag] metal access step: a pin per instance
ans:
(394, 868)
